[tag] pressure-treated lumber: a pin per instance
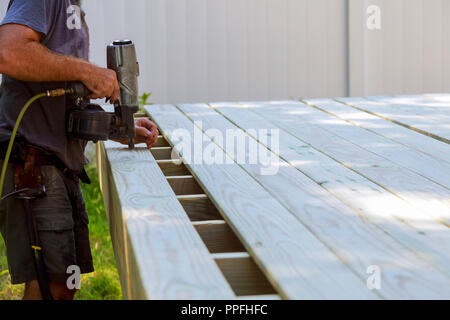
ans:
(172, 168)
(165, 257)
(218, 237)
(387, 129)
(432, 102)
(199, 208)
(335, 224)
(421, 115)
(115, 220)
(161, 142)
(425, 195)
(162, 153)
(416, 230)
(347, 194)
(348, 185)
(436, 127)
(244, 276)
(209, 222)
(425, 165)
(419, 105)
(296, 263)
(184, 185)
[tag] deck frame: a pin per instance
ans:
(333, 200)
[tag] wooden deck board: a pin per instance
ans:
(287, 252)
(331, 221)
(435, 101)
(352, 188)
(164, 254)
(435, 126)
(425, 195)
(433, 105)
(387, 129)
(436, 170)
(354, 183)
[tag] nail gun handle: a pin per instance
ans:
(79, 90)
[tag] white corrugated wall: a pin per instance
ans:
(410, 54)
(210, 50)
(213, 50)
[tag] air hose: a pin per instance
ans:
(50, 93)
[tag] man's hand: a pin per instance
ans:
(146, 132)
(102, 83)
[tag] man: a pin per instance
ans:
(44, 45)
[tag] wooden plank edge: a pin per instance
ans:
(425, 133)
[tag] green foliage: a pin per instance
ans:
(7, 291)
(103, 284)
(143, 100)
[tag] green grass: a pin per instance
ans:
(103, 284)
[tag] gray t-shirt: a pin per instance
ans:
(62, 22)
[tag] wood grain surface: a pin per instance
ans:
(387, 129)
(165, 257)
(294, 260)
(333, 220)
(424, 194)
(430, 123)
(339, 186)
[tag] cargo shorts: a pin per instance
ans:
(62, 223)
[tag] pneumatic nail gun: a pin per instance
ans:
(89, 121)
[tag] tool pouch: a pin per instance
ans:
(28, 177)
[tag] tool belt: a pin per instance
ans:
(27, 161)
(29, 186)
(22, 150)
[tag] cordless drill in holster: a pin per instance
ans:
(89, 121)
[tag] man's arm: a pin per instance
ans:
(23, 57)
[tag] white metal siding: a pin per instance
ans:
(410, 54)
(213, 50)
